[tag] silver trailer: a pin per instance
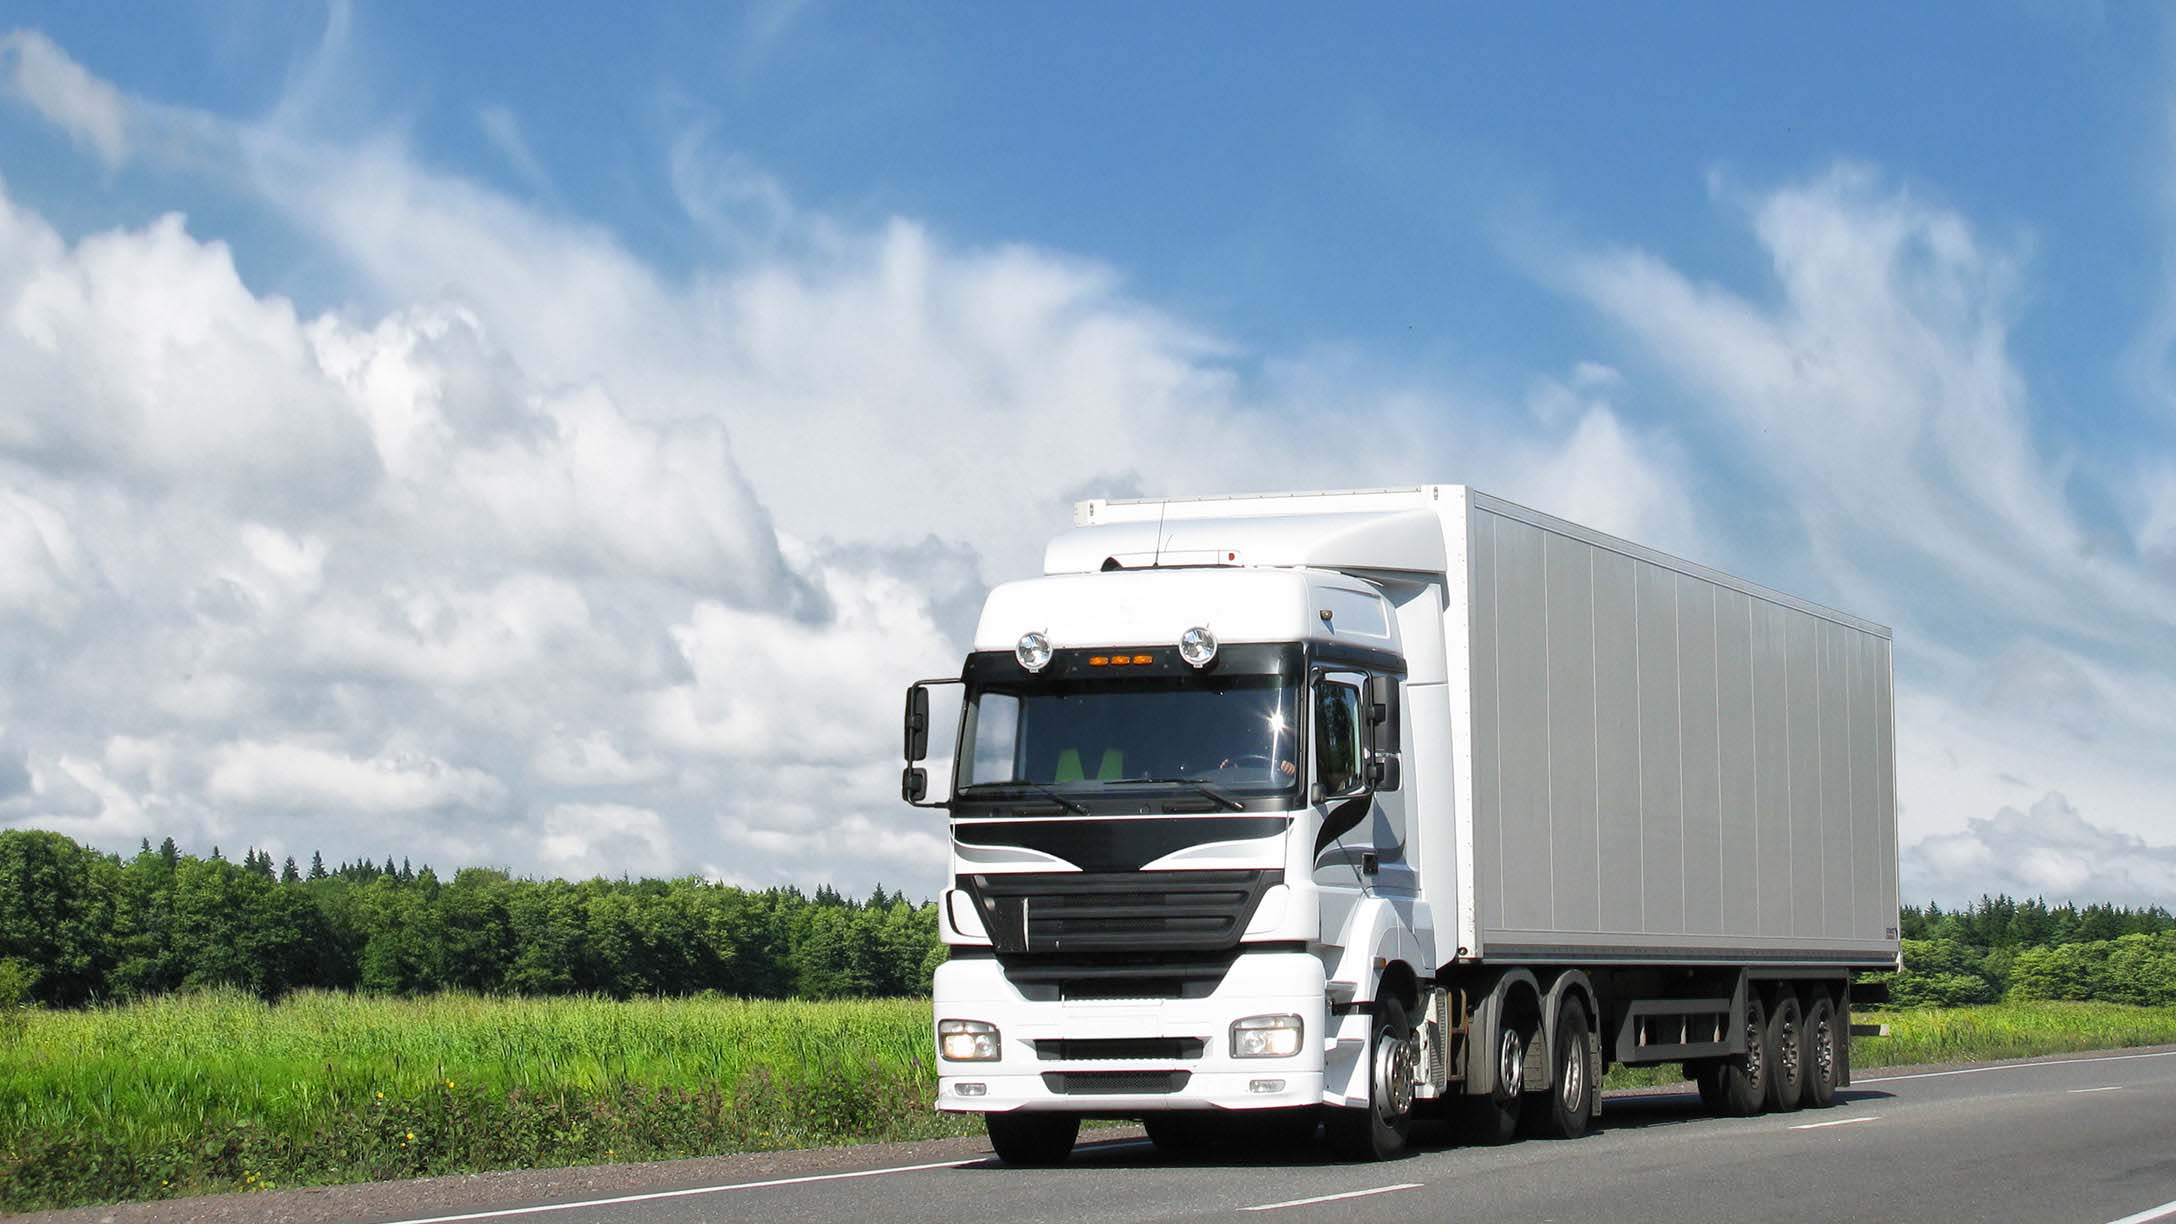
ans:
(1471, 803)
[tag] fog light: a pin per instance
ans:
(1261, 1085)
(1266, 1037)
(1197, 646)
(972, 1089)
(967, 1040)
(1033, 651)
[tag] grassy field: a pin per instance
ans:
(194, 1094)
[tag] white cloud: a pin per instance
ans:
(1869, 401)
(299, 778)
(92, 112)
(2048, 850)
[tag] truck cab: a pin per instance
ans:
(1181, 869)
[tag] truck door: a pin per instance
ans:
(1360, 841)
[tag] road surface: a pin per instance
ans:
(2089, 1139)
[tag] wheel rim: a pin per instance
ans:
(1574, 1076)
(1824, 1051)
(1394, 1063)
(1787, 1049)
(1511, 1064)
(1753, 1043)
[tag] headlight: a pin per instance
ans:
(1266, 1037)
(1033, 651)
(1197, 646)
(967, 1041)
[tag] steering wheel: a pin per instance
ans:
(1258, 760)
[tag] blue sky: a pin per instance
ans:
(1872, 306)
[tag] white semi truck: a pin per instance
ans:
(1359, 806)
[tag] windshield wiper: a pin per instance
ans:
(1202, 788)
(1017, 784)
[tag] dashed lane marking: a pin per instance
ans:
(1837, 1122)
(1332, 1198)
(2162, 1212)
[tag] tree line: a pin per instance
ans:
(80, 926)
(2001, 948)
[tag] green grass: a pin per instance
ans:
(210, 1092)
(193, 1094)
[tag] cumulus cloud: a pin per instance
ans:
(2047, 850)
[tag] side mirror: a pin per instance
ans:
(913, 783)
(917, 726)
(1382, 712)
(1383, 772)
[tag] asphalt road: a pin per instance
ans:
(2090, 1139)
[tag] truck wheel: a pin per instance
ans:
(1180, 1134)
(1033, 1138)
(1707, 1075)
(1377, 1131)
(1494, 1119)
(1787, 1046)
(1564, 1109)
(1822, 1064)
(1745, 1076)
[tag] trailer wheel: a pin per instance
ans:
(1180, 1134)
(1494, 1119)
(1787, 1046)
(1563, 1110)
(1707, 1075)
(1822, 1064)
(1745, 1076)
(1033, 1138)
(1378, 1130)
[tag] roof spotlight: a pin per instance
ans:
(1197, 646)
(1033, 651)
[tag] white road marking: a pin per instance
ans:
(693, 1191)
(1838, 1122)
(2050, 1062)
(2109, 1088)
(1332, 1198)
(2151, 1213)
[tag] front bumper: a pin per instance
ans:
(1024, 1077)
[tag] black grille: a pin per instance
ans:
(1116, 1049)
(1113, 1083)
(1043, 913)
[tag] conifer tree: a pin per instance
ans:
(317, 865)
(290, 874)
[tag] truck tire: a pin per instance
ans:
(1745, 1076)
(1179, 1134)
(1378, 1130)
(1562, 1112)
(1822, 1063)
(1787, 1048)
(1494, 1119)
(1034, 1139)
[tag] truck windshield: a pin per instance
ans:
(1234, 733)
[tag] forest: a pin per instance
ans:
(78, 926)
